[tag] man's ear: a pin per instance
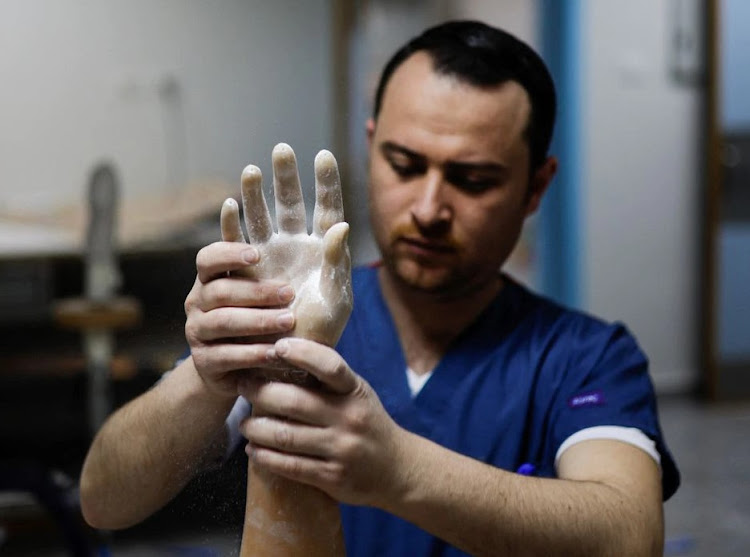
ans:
(539, 183)
(370, 126)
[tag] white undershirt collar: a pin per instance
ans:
(416, 382)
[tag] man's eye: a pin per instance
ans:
(474, 185)
(405, 170)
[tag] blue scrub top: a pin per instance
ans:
(517, 383)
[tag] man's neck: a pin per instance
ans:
(427, 323)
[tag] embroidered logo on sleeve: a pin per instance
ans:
(591, 398)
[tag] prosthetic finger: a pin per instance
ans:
(335, 270)
(329, 206)
(257, 218)
(231, 231)
(290, 206)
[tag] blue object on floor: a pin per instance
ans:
(682, 545)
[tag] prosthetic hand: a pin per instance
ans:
(283, 517)
(316, 265)
(237, 307)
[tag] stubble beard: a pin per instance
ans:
(440, 282)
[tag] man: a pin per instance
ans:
(460, 412)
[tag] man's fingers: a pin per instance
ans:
(308, 470)
(329, 205)
(257, 218)
(237, 323)
(222, 358)
(288, 436)
(286, 401)
(336, 267)
(290, 206)
(239, 291)
(231, 231)
(321, 361)
(219, 258)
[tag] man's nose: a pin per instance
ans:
(431, 207)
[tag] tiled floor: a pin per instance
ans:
(709, 515)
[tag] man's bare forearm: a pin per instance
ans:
(486, 511)
(150, 448)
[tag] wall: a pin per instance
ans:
(641, 181)
(173, 91)
(519, 17)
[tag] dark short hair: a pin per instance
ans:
(485, 56)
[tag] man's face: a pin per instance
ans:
(449, 178)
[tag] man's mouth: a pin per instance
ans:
(427, 247)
